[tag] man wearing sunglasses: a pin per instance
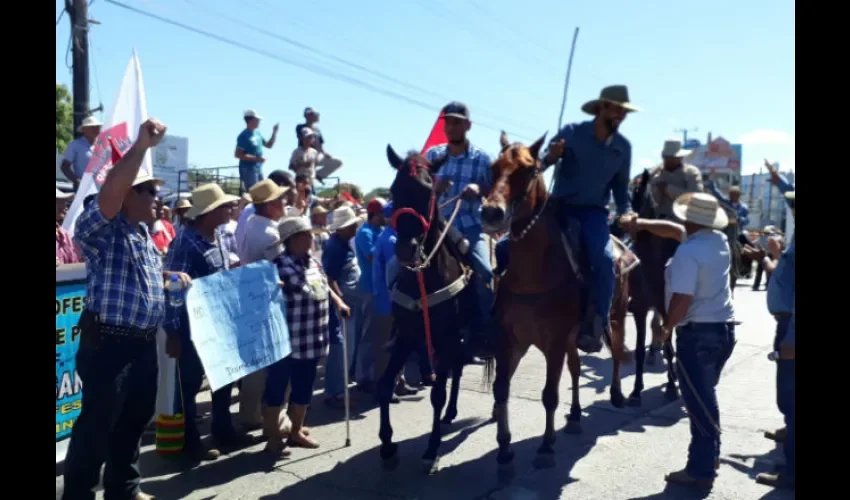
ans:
(595, 163)
(125, 305)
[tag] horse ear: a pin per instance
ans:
(503, 139)
(394, 159)
(535, 148)
(438, 163)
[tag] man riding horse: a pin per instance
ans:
(595, 163)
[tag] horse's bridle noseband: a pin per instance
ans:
(432, 204)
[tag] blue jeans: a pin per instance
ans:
(595, 237)
(702, 351)
(483, 274)
(334, 365)
(191, 377)
(250, 175)
(119, 400)
(786, 398)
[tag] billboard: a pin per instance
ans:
(719, 156)
(170, 157)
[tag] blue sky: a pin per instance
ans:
(723, 66)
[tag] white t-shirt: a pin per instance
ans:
(260, 240)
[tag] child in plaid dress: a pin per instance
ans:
(307, 299)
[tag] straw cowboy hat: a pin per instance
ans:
(143, 178)
(769, 230)
(182, 204)
(790, 195)
(290, 226)
(207, 198)
(673, 149)
(615, 94)
(63, 196)
(343, 217)
(246, 197)
(89, 121)
(701, 209)
(266, 191)
(318, 210)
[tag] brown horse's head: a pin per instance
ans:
(513, 192)
(414, 202)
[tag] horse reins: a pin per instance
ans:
(426, 227)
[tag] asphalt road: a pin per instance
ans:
(622, 454)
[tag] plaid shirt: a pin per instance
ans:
(306, 297)
(124, 270)
(472, 167)
(196, 256)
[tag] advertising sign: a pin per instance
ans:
(169, 158)
(719, 155)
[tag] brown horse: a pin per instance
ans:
(537, 302)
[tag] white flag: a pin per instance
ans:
(122, 124)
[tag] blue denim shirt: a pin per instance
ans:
(364, 248)
(592, 170)
(780, 289)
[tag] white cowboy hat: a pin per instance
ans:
(790, 195)
(614, 94)
(266, 191)
(701, 209)
(63, 196)
(143, 178)
(290, 226)
(673, 149)
(89, 121)
(207, 198)
(769, 230)
(250, 113)
(343, 217)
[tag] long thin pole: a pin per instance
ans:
(78, 13)
(567, 79)
(342, 322)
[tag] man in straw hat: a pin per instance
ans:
(280, 178)
(249, 148)
(781, 302)
(259, 240)
(125, 306)
(79, 151)
(198, 252)
(319, 220)
(340, 264)
(669, 181)
(595, 163)
(180, 210)
(699, 306)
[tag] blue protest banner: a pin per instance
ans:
(69, 396)
(237, 321)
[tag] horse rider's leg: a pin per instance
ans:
(503, 256)
(596, 239)
(670, 391)
(430, 459)
(555, 355)
(508, 356)
(400, 351)
(574, 366)
(484, 326)
(457, 373)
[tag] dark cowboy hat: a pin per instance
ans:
(615, 94)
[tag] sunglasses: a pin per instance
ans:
(150, 189)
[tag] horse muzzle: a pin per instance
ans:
(494, 218)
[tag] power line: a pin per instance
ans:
(305, 66)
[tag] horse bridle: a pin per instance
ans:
(426, 224)
(534, 173)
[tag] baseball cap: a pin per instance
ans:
(388, 209)
(281, 178)
(250, 113)
(309, 110)
(375, 206)
(456, 110)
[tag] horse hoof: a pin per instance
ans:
(671, 394)
(448, 419)
(544, 461)
(506, 473)
(431, 467)
(634, 401)
(390, 463)
(573, 427)
(618, 400)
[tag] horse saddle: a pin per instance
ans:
(624, 259)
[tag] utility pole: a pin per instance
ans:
(78, 12)
(684, 132)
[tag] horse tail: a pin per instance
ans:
(489, 374)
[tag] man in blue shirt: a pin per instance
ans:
(595, 163)
(781, 302)
(249, 149)
(737, 208)
(364, 249)
(467, 175)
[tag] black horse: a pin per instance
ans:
(439, 271)
(647, 290)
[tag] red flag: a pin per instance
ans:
(116, 150)
(437, 136)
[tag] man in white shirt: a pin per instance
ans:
(260, 240)
(280, 178)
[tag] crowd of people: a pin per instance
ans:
(336, 262)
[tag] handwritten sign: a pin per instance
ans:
(237, 322)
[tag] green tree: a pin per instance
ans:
(64, 117)
(378, 192)
(346, 187)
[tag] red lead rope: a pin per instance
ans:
(426, 226)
